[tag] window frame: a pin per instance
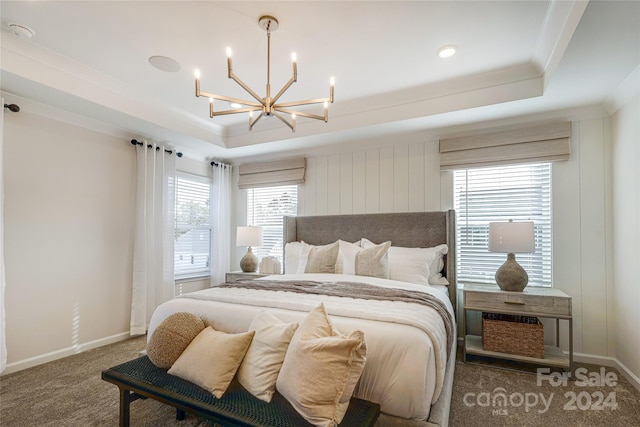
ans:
(472, 222)
(273, 231)
(205, 271)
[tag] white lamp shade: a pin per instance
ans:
(249, 236)
(511, 237)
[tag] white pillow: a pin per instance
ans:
(347, 253)
(292, 257)
(260, 367)
(436, 264)
(422, 266)
(321, 369)
(212, 359)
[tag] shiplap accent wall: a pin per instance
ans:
(407, 177)
(625, 208)
(400, 178)
(581, 258)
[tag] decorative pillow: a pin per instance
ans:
(171, 337)
(318, 259)
(373, 261)
(422, 266)
(292, 257)
(259, 369)
(212, 359)
(321, 369)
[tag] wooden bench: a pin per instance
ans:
(140, 378)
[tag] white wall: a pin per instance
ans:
(626, 236)
(581, 259)
(400, 177)
(69, 209)
(69, 218)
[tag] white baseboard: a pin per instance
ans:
(630, 376)
(609, 361)
(59, 354)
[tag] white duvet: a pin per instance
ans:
(406, 342)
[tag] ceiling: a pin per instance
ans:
(88, 61)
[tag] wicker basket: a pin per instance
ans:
(505, 333)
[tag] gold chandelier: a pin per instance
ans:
(268, 105)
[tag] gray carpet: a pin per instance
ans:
(70, 392)
(476, 391)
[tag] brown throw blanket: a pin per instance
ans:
(353, 290)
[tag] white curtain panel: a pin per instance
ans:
(220, 222)
(153, 273)
(3, 337)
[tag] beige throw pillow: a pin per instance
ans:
(321, 369)
(373, 261)
(261, 365)
(318, 259)
(370, 261)
(212, 359)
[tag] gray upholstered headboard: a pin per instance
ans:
(409, 229)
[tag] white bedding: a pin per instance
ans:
(406, 342)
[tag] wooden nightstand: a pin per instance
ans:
(242, 275)
(536, 302)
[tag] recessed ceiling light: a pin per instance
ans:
(165, 63)
(447, 51)
(20, 30)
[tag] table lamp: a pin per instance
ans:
(249, 236)
(511, 238)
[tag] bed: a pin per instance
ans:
(410, 348)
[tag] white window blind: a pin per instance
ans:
(484, 195)
(192, 251)
(266, 206)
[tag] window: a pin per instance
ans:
(266, 207)
(520, 193)
(192, 250)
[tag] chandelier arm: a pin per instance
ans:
(291, 81)
(283, 120)
(254, 121)
(247, 88)
(301, 113)
(306, 102)
(236, 111)
(229, 99)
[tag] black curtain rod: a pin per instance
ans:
(136, 142)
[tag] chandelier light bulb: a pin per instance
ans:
(210, 100)
(197, 73)
(332, 81)
(229, 52)
(294, 57)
